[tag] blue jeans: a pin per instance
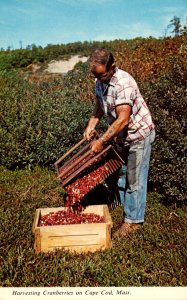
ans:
(133, 177)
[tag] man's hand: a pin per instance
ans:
(97, 146)
(88, 133)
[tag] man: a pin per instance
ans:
(130, 124)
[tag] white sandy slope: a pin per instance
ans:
(63, 66)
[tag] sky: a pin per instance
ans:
(43, 22)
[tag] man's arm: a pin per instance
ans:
(123, 112)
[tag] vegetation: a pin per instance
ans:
(41, 120)
(153, 256)
(34, 116)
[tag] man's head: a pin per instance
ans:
(102, 64)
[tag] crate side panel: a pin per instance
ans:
(73, 240)
(72, 237)
(76, 249)
(73, 229)
(36, 220)
(37, 242)
(108, 218)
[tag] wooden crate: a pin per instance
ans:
(75, 237)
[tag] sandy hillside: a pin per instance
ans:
(63, 66)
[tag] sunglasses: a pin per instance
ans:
(101, 76)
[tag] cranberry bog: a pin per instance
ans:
(80, 238)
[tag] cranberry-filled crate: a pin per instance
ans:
(79, 238)
(74, 227)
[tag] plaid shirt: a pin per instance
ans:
(123, 89)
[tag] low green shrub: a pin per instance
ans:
(168, 103)
(38, 125)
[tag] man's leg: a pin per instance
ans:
(132, 182)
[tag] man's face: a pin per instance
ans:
(102, 73)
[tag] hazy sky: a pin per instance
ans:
(42, 22)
